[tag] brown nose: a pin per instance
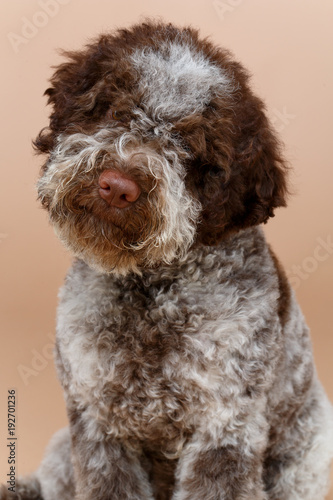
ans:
(118, 190)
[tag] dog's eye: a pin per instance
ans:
(214, 172)
(117, 115)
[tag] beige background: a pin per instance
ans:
(286, 44)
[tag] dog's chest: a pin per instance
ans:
(140, 363)
(151, 362)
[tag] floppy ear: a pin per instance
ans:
(253, 182)
(82, 88)
(71, 80)
(260, 167)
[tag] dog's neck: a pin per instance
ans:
(203, 260)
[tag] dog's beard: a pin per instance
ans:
(157, 229)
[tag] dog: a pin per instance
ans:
(185, 360)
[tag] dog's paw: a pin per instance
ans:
(27, 489)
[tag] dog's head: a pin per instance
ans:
(155, 144)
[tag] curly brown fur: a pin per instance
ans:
(185, 360)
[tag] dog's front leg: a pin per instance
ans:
(224, 472)
(104, 468)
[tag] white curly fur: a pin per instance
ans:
(76, 156)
